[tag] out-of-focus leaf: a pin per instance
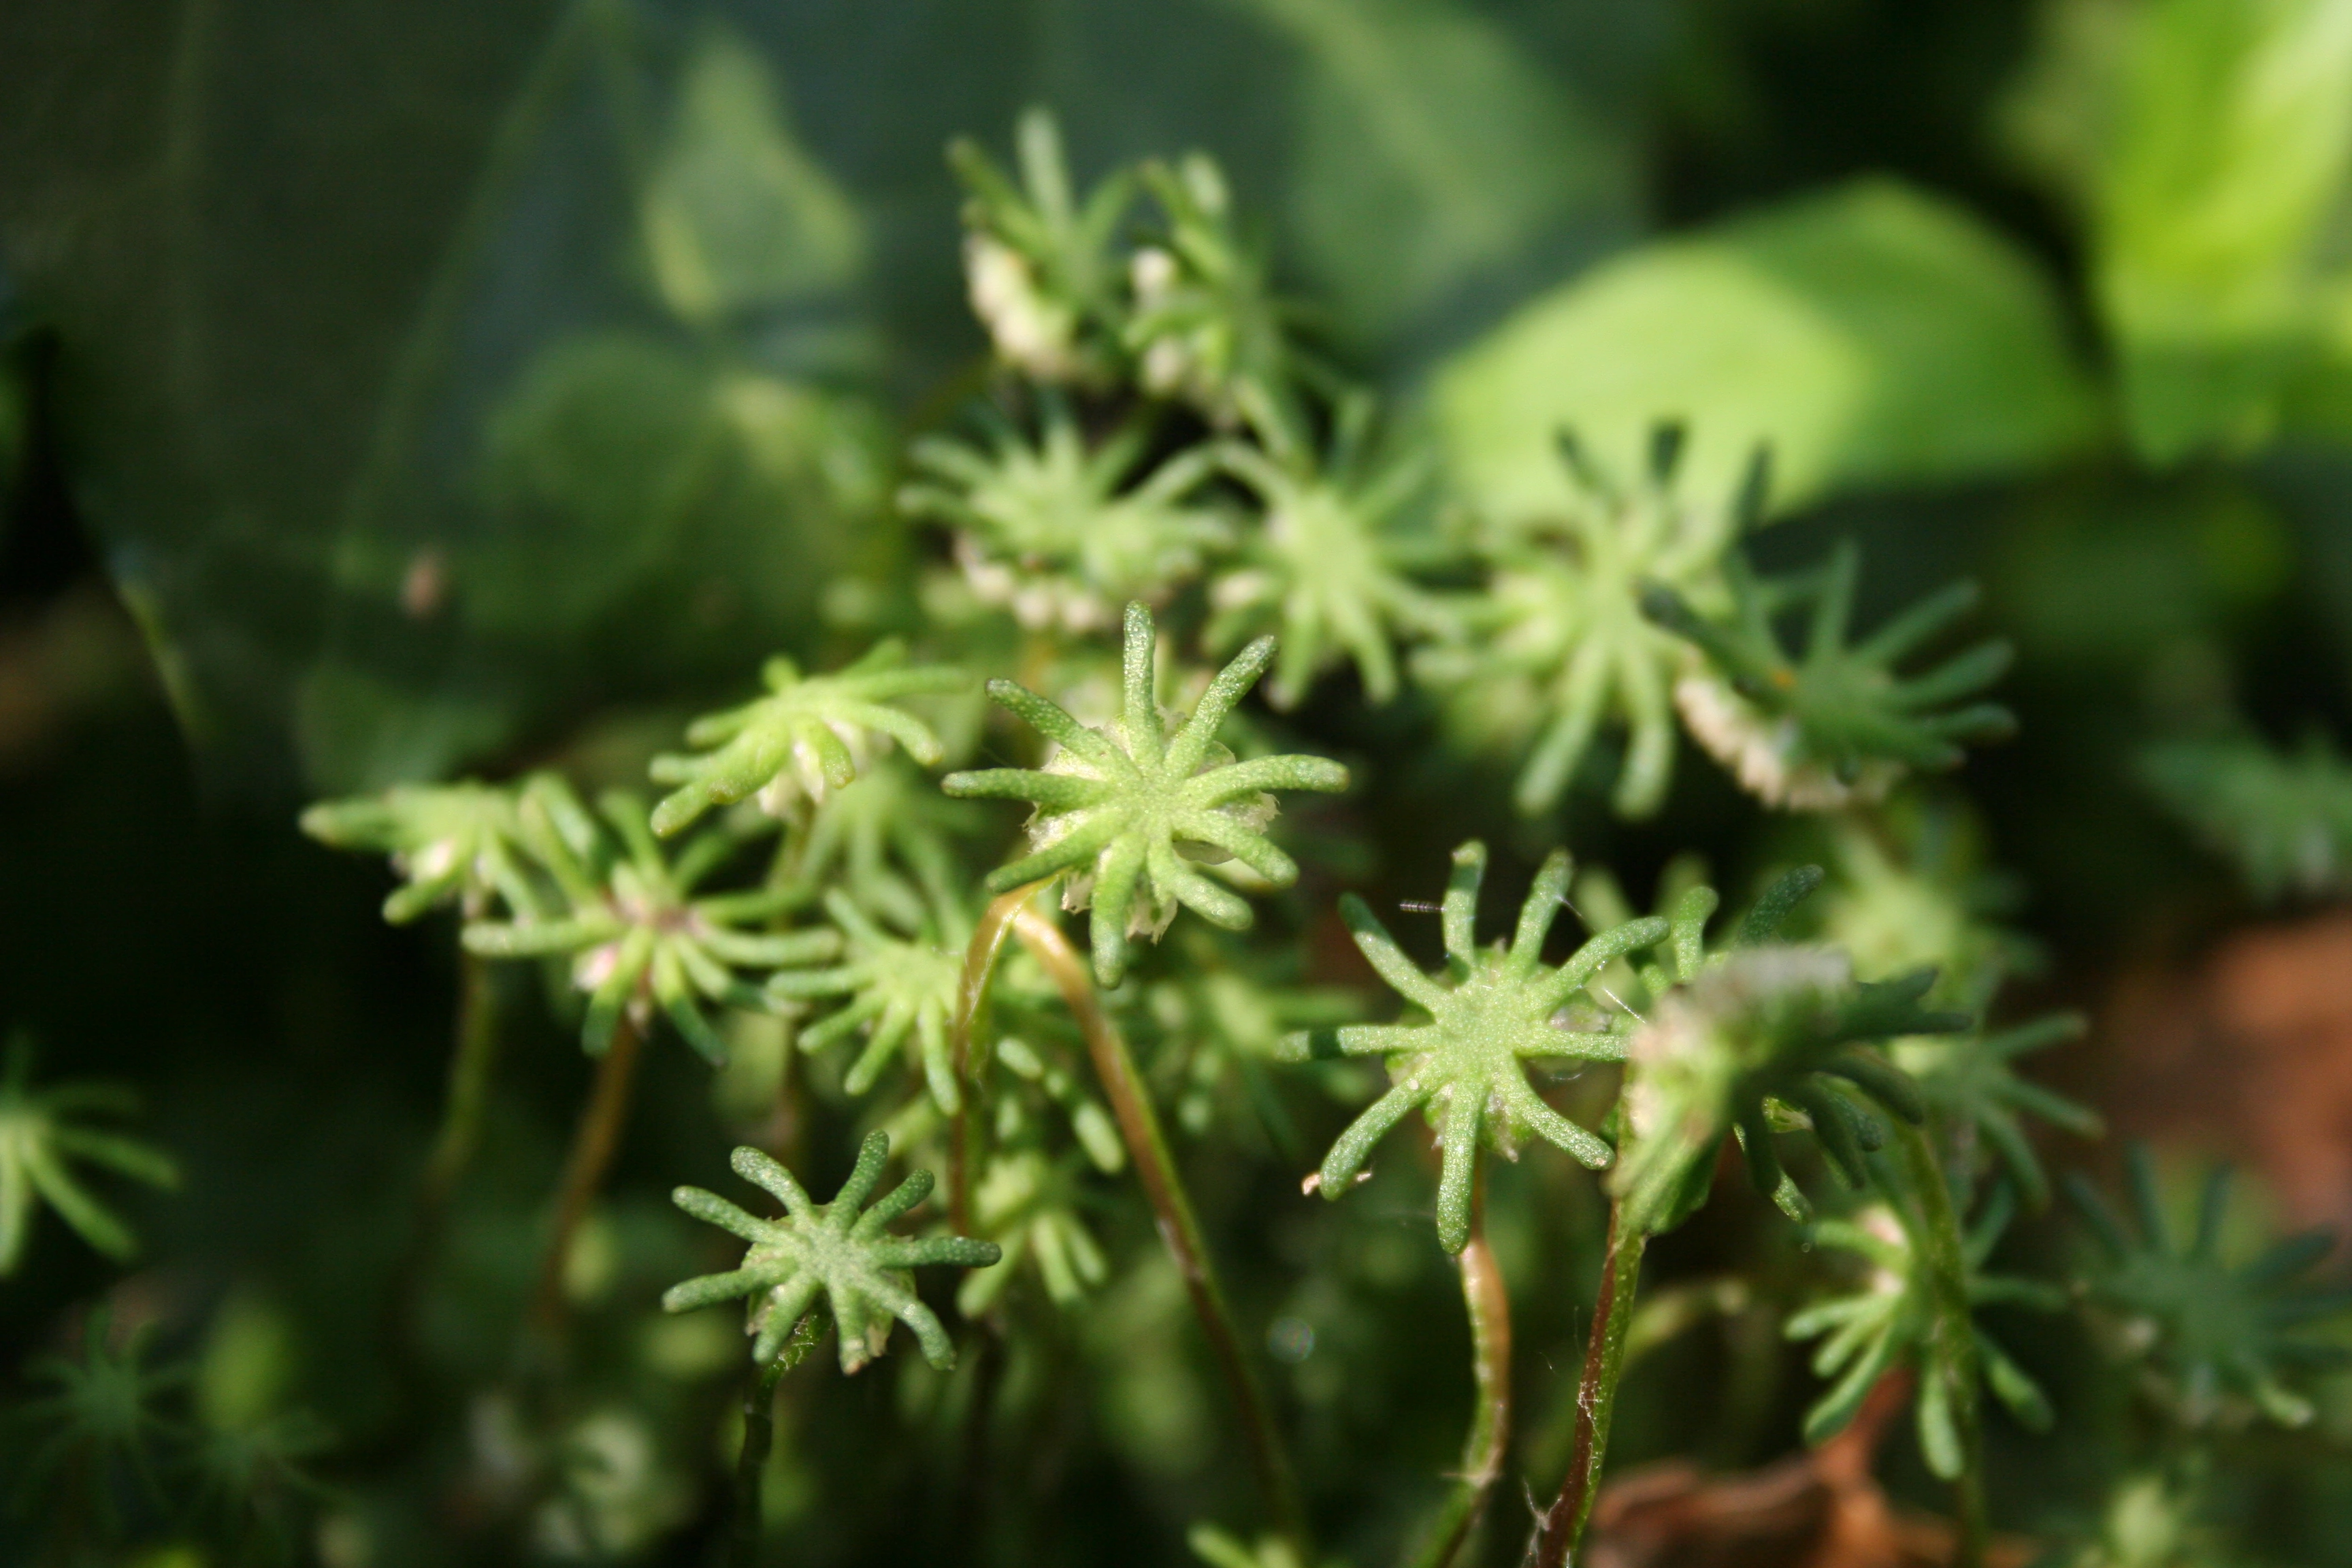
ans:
(591, 463)
(1871, 335)
(1432, 154)
(736, 214)
(428, 379)
(2056, 118)
(2218, 222)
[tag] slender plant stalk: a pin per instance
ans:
(979, 964)
(468, 1094)
(1147, 1144)
(751, 1462)
(759, 1437)
(1938, 1234)
(1563, 1525)
(1489, 1303)
(468, 1091)
(593, 1148)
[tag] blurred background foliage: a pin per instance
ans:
(393, 392)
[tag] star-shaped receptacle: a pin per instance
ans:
(1131, 811)
(637, 935)
(1970, 1084)
(806, 737)
(1205, 325)
(883, 839)
(1814, 730)
(894, 986)
(99, 1424)
(2283, 818)
(44, 1134)
(1041, 267)
(1058, 533)
(1760, 1037)
(1558, 648)
(448, 843)
(2214, 1330)
(1492, 1010)
(1324, 565)
(834, 1248)
(1892, 1320)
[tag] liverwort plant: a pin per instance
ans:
(843, 1250)
(893, 988)
(637, 935)
(2213, 1333)
(883, 839)
(806, 737)
(1055, 531)
(1772, 1037)
(1129, 810)
(1206, 326)
(1494, 1011)
(1152, 442)
(1031, 1202)
(102, 1416)
(44, 1134)
(1971, 1085)
(1043, 272)
(2283, 818)
(1892, 1317)
(1760, 1037)
(1835, 723)
(1325, 567)
(1558, 647)
(456, 843)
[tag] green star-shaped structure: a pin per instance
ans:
(1812, 732)
(2214, 1329)
(804, 737)
(1495, 1008)
(1325, 565)
(1114, 804)
(850, 1256)
(1061, 534)
(893, 985)
(447, 842)
(638, 934)
(1893, 1318)
(43, 1133)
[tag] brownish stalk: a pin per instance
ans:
(1489, 1304)
(593, 1148)
(1562, 1524)
(1147, 1144)
(979, 964)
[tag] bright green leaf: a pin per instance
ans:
(1871, 335)
(2217, 221)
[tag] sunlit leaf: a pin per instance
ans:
(1871, 335)
(2217, 216)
